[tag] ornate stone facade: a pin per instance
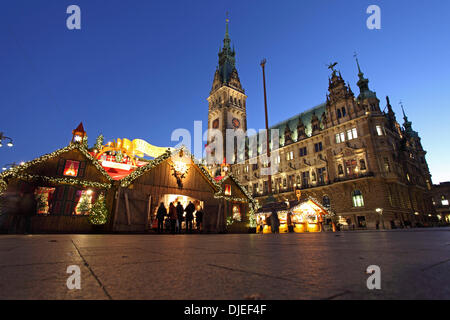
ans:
(346, 153)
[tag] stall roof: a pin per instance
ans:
(293, 204)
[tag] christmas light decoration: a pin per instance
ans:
(18, 171)
(98, 214)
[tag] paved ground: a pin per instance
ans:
(414, 264)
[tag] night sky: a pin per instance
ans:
(140, 69)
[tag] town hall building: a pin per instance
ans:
(348, 152)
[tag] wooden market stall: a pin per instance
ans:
(174, 176)
(305, 216)
(238, 204)
(53, 193)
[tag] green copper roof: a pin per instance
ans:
(227, 59)
(305, 116)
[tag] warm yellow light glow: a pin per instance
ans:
(180, 167)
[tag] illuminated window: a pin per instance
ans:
(358, 200)
(289, 155)
(340, 137)
(352, 134)
(228, 190)
(444, 201)
(44, 198)
(379, 130)
(84, 204)
(71, 168)
(237, 213)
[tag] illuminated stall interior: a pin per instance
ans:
(306, 216)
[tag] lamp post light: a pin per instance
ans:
(380, 211)
(10, 165)
(3, 137)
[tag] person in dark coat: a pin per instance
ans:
(172, 217)
(180, 212)
(275, 222)
(190, 208)
(28, 207)
(199, 218)
(160, 215)
(268, 222)
(289, 223)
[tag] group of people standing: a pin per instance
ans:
(175, 217)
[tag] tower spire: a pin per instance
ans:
(227, 60)
(363, 83)
(360, 73)
(226, 40)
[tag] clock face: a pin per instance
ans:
(236, 123)
(215, 124)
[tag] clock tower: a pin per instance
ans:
(227, 99)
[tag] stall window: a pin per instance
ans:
(65, 200)
(71, 168)
(84, 204)
(358, 200)
(228, 190)
(44, 197)
(237, 213)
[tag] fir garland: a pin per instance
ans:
(17, 172)
(70, 181)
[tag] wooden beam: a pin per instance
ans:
(149, 209)
(127, 205)
(116, 210)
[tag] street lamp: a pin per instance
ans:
(380, 211)
(10, 165)
(3, 137)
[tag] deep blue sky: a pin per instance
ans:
(140, 69)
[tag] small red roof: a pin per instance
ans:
(80, 128)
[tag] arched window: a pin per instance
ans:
(358, 200)
(339, 115)
(326, 202)
(340, 169)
